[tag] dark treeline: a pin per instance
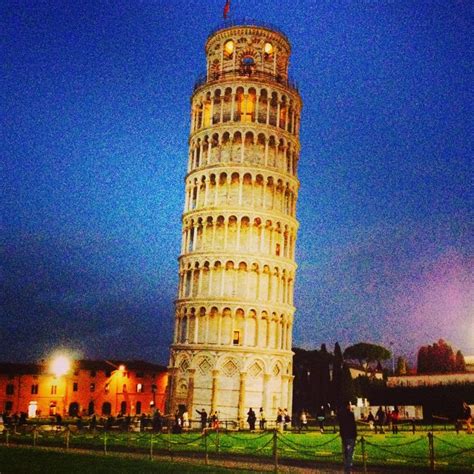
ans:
(314, 387)
(437, 401)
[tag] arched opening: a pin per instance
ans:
(73, 409)
(106, 408)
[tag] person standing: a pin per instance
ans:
(203, 415)
(303, 420)
(467, 416)
(395, 416)
(348, 433)
(380, 420)
(262, 419)
(251, 418)
(321, 417)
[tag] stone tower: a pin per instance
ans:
(234, 311)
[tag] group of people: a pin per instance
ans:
(208, 421)
(381, 419)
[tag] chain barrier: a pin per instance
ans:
(184, 443)
(67, 437)
(381, 448)
(264, 446)
(398, 445)
(304, 446)
(246, 437)
(441, 440)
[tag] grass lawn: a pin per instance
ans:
(453, 451)
(37, 461)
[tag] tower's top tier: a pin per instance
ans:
(246, 50)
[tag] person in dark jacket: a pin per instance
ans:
(251, 419)
(203, 415)
(348, 433)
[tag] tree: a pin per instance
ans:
(439, 358)
(460, 362)
(311, 385)
(402, 366)
(366, 353)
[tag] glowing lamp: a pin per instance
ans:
(268, 48)
(121, 367)
(60, 365)
(229, 48)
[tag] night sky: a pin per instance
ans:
(96, 114)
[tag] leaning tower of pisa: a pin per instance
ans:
(234, 311)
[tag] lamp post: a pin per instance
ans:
(118, 368)
(60, 365)
(393, 357)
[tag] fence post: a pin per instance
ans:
(275, 451)
(431, 451)
(34, 436)
(413, 427)
(206, 455)
(364, 454)
(151, 447)
(218, 446)
(105, 442)
(67, 438)
(169, 441)
(7, 434)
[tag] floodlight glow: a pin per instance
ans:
(60, 365)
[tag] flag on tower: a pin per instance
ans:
(226, 9)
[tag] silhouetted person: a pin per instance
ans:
(348, 433)
(251, 419)
(203, 415)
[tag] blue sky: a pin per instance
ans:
(95, 97)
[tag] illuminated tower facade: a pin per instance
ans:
(234, 311)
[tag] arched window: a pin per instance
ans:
(106, 408)
(91, 408)
(123, 407)
(229, 49)
(73, 409)
(138, 408)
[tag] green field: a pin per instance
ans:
(452, 452)
(14, 460)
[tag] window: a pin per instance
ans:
(248, 65)
(34, 389)
(74, 387)
(92, 387)
(54, 389)
(236, 338)
(153, 388)
(107, 388)
(268, 50)
(123, 408)
(106, 408)
(140, 388)
(8, 405)
(138, 408)
(229, 49)
(124, 387)
(10, 389)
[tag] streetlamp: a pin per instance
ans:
(118, 368)
(60, 365)
(393, 357)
